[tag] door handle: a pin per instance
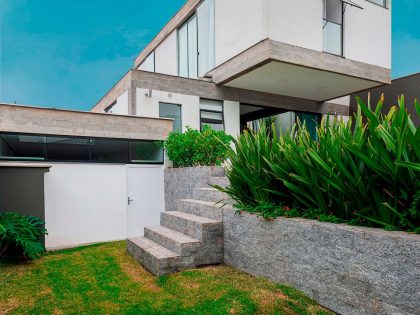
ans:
(129, 200)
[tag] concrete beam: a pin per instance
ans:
(183, 14)
(34, 120)
(268, 50)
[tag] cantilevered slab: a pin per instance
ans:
(278, 68)
(45, 121)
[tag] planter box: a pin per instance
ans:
(351, 270)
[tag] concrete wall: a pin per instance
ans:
(35, 120)
(166, 55)
(351, 270)
(22, 191)
(408, 86)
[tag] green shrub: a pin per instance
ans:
(360, 172)
(20, 236)
(195, 148)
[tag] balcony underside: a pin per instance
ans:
(282, 69)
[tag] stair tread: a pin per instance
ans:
(207, 189)
(173, 235)
(192, 217)
(153, 248)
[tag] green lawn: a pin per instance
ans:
(103, 279)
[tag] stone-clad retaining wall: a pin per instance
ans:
(180, 182)
(351, 270)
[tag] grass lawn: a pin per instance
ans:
(103, 279)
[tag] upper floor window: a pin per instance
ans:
(206, 39)
(187, 49)
(172, 111)
(196, 42)
(333, 27)
(149, 63)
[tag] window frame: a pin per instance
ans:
(385, 5)
(212, 111)
(45, 150)
(325, 22)
(185, 24)
(180, 111)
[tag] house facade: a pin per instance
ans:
(228, 63)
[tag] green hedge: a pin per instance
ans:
(194, 148)
(365, 171)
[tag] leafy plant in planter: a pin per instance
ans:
(194, 148)
(365, 171)
(20, 236)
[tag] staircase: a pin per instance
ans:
(189, 236)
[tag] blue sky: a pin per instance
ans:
(67, 54)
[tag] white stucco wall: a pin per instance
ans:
(121, 107)
(87, 203)
(232, 118)
(239, 24)
(367, 34)
(297, 22)
(166, 55)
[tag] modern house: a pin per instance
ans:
(227, 63)
(408, 86)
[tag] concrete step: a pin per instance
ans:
(154, 257)
(200, 208)
(197, 227)
(210, 194)
(219, 181)
(173, 240)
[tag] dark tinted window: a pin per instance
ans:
(145, 151)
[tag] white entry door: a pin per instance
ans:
(145, 188)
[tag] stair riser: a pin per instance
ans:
(207, 211)
(158, 267)
(219, 181)
(185, 249)
(210, 252)
(210, 195)
(191, 228)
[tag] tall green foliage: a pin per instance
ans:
(366, 171)
(194, 148)
(20, 236)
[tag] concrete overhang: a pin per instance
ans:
(47, 121)
(278, 68)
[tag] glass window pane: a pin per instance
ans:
(211, 116)
(145, 152)
(216, 106)
(205, 26)
(22, 147)
(183, 51)
(332, 38)
(68, 149)
(333, 11)
(192, 48)
(149, 63)
(172, 111)
(109, 151)
(380, 2)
